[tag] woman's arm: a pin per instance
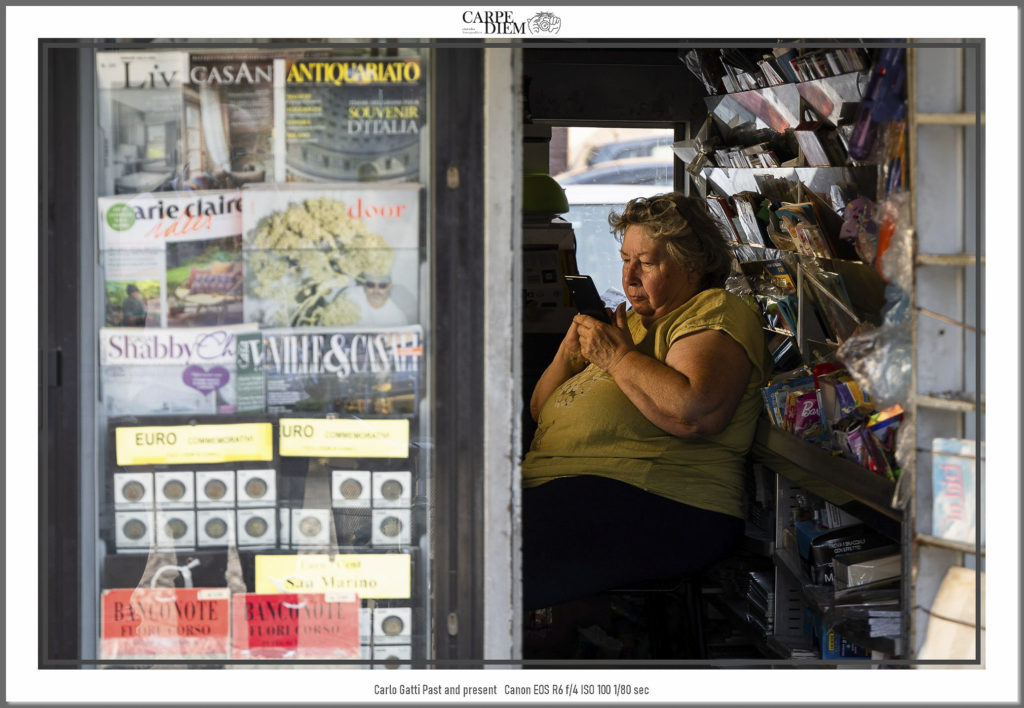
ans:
(695, 392)
(567, 363)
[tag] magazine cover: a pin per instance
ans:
(148, 121)
(241, 102)
(324, 370)
(954, 489)
(173, 370)
(165, 622)
(172, 259)
(354, 119)
(295, 626)
(331, 255)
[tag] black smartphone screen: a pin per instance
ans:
(584, 294)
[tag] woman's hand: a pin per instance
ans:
(569, 350)
(604, 344)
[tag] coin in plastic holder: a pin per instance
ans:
(133, 490)
(256, 487)
(256, 527)
(392, 657)
(311, 527)
(175, 529)
(215, 527)
(392, 625)
(392, 489)
(391, 527)
(133, 530)
(174, 489)
(350, 488)
(215, 488)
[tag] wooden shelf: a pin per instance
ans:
(830, 477)
(951, 260)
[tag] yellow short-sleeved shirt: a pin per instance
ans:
(588, 426)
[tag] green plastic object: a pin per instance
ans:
(542, 194)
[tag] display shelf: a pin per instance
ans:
(730, 180)
(821, 599)
(778, 107)
(831, 477)
(923, 539)
(786, 646)
(733, 608)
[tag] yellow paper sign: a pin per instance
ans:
(369, 575)
(337, 437)
(194, 444)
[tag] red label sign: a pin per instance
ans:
(293, 625)
(164, 622)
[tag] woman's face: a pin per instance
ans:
(651, 278)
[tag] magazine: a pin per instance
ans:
(174, 370)
(331, 255)
(241, 103)
(148, 120)
(325, 370)
(954, 489)
(354, 119)
(172, 259)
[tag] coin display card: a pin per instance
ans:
(391, 527)
(215, 488)
(398, 652)
(392, 625)
(175, 528)
(133, 530)
(350, 488)
(174, 490)
(133, 490)
(311, 527)
(215, 527)
(256, 487)
(392, 489)
(256, 527)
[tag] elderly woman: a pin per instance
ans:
(637, 466)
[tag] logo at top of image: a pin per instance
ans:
(544, 23)
(503, 22)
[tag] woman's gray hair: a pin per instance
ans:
(684, 224)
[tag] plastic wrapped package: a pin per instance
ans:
(881, 358)
(828, 292)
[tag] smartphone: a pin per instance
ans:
(584, 294)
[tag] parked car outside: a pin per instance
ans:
(653, 146)
(597, 251)
(655, 171)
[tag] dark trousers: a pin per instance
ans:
(583, 535)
